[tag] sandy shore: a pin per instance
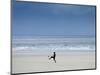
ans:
(40, 63)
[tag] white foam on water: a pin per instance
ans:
(51, 44)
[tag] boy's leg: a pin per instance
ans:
(50, 57)
(54, 60)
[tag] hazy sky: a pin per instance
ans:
(35, 19)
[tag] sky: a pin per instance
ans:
(45, 19)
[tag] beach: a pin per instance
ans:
(41, 63)
(44, 30)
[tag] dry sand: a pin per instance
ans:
(40, 63)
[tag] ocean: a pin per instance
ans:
(47, 45)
